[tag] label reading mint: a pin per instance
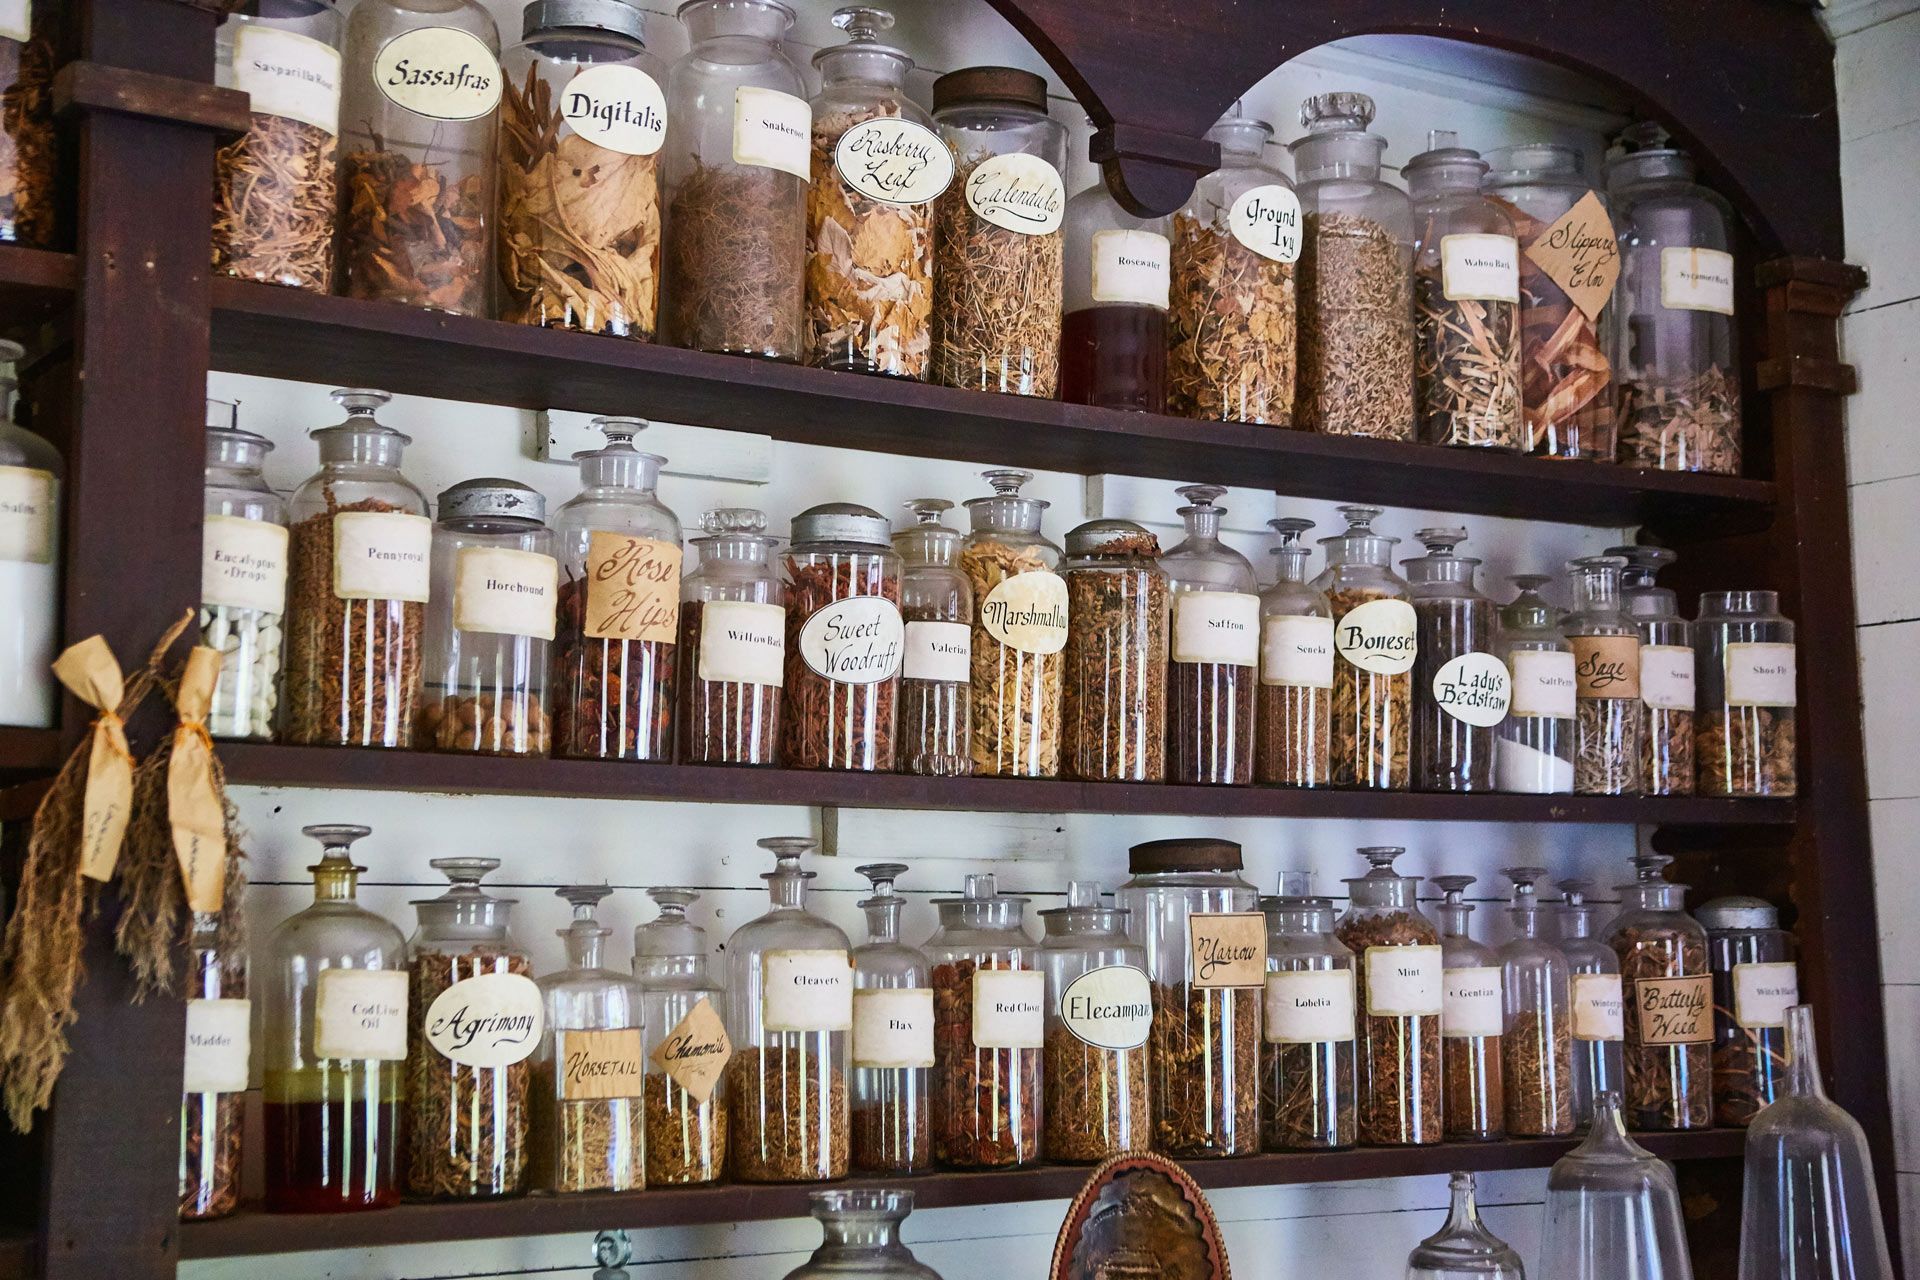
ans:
(286, 74)
(854, 641)
(442, 73)
(772, 130)
(1266, 219)
(1696, 280)
(893, 1027)
(1028, 612)
(742, 642)
(1470, 1003)
(243, 564)
(1297, 650)
(940, 651)
(1131, 267)
(504, 591)
(1760, 675)
(1109, 1008)
(810, 990)
(360, 1014)
(1378, 636)
(381, 555)
(1017, 192)
(1009, 1009)
(493, 1020)
(1763, 992)
(894, 161)
(1217, 626)
(1480, 268)
(1403, 982)
(1474, 688)
(219, 1046)
(1666, 676)
(1599, 1012)
(1309, 1006)
(617, 107)
(1544, 683)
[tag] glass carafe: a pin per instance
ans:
(1019, 632)
(862, 1229)
(1099, 1013)
(1296, 668)
(213, 1090)
(1306, 1056)
(1595, 1003)
(1755, 983)
(243, 579)
(1397, 1082)
(687, 1048)
(936, 673)
(845, 639)
(1745, 658)
(1668, 1049)
(1113, 344)
(733, 638)
(30, 471)
(1666, 672)
(1537, 1043)
(1461, 688)
(893, 1036)
(1472, 1017)
(1464, 1249)
(1376, 643)
(1613, 1210)
(1215, 655)
(1608, 713)
(335, 1029)
(1534, 754)
(1115, 702)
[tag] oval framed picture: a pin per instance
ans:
(1140, 1215)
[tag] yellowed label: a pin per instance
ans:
(1131, 267)
(382, 555)
(1580, 254)
(1674, 1010)
(1028, 612)
(893, 1027)
(504, 591)
(1606, 666)
(633, 588)
(1599, 1009)
(243, 564)
(286, 74)
(772, 130)
(89, 672)
(1018, 192)
(26, 514)
(598, 1064)
(1228, 948)
(695, 1052)
(195, 810)
(1404, 982)
(1009, 1008)
(360, 1014)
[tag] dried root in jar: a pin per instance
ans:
(996, 321)
(1308, 1096)
(1231, 337)
(1669, 1086)
(686, 1141)
(777, 1096)
(412, 235)
(210, 1128)
(612, 699)
(1749, 1069)
(1565, 376)
(986, 1102)
(1096, 1099)
(510, 723)
(1539, 1075)
(1694, 426)
(468, 1125)
(1746, 751)
(1397, 1091)
(1016, 695)
(735, 262)
(275, 192)
(1370, 733)
(1356, 337)
(1467, 366)
(1205, 1051)
(1473, 1087)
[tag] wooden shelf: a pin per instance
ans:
(16, 1257)
(34, 284)
(289, 333)
(25, 753)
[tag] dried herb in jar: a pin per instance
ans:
(1669, 1086)
(734, 273)
(686, 1140)
(986, 1102)
(1230, 328)
(1096, 1099)
(1370, 732)
(997, 323)
(1472, 1085)
(1308, 1099)
(1746, 751)
(1666, 752)
(1016, 695)
(29, 159)
(613, 699)
(597, 1145)
(467, 1125)
(781, 1095)
(1692, 427)
(1539, 1075)
(1291, 735)
(275, 193)
(1115, 698)
(412, 236)
(934, 713)
(210, 1128)
(1398, 1094)
(482, 723)
(893, 1135)
(1202, 1038)
(1606, 756)
(723, 721)
(1565, 374)
(1466, 367)
(833, 724)
(1356, 343)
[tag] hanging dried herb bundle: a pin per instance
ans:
(579, 223)
(1606, 746)
(735, 262)
(1230, 328)
(1096, 1099)
(1467, 367)
(1356, 338)
(1115, 701)
(274, 197)
(996, 320)
(29, 159)
(1308, 1096)
(1292, 741)
(1565, 376)
(1016, 696)
(413, 236)
(986, 1102)
(1539, 1075)
(779, 1094)
(1205, 1051)
(467, 1125)
(1669, 1086)
(1370, 731)
(1746, 751)
(1692, 427)
(1473, 1087)
(686, 1140)
(1666, 752)
(723, 721)
(1398, 1086)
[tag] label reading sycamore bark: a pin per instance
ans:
(1480, 268)
(1309, 1006)
(1470, 1002)
(1298, 651)
(504, 591)
(442, 73)
(1763, 992)
(1378, 636)
(598, 1064)
(1217, 626)
(1229, 948)
(1109, 1008)
(893, 1027)
(695, 1052)
(772, 130)
(1474, 688)
(808, 990)
(1674, 1010)
(360, 1014)
(1760, 675)
(633, 588)
(854, 641)
(286, 74)
(1606, 666)
(381, 555)
(1403, 982)
(1018, 192)
(1009, 1008)
(743, 642)
(1028, 612)
(1544, 684)
(1599, 1011)
(243, 564)
(940, 651)
(26, 515)
(219, 1044)
(1666, 677)
(1131, 267)
(1696, 280)
(894, 161)
(493, 1020)
(1266, 219)
(617, 107)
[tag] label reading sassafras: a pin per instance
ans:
(1606, 666)
(286, 74)
(940, 651)
(1474, 688)
(382, 555)
(506, 592)
(617, 107)
(598, 1064)
(1544, 684)
(1298, 651)
(493, 1020)
(1403, 982)
(1674, 1010)
(743, 642)
(1017, 192)
(1666, 677)
(893, 1027)
(772, 130)
(633, 588)
(1028, 612)
(1009, 1008)
(1599, 1012)
(894, 161)
(1109, 1008)
(360, 1014)
(219, 1046)
(1470, 1003)
(1217, 626)
(1763, 992)
(1266, 220)
(809, 990)
(1131, 267)
(1480, 268)
(243, 564)
(442, 73)
(854, 641)
(1760, 675)
(26, 515)
(1379, 636)
(695, 1052)
(1229, 948)
(1696, 280)
(1309, 1006)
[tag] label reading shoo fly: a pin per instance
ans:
(939, 651)
(1474, 688)
(1298, 651)
(1267, 220)
(772, 130)
(695, 1052)
(1480, 268)
(1606, 666)
(854, 641)
(504, 591)
(1009, 1008)
(1309, 1006)
(1403, 982)
(1470, 1002)
(1544, 684)
(1130, 267)
(219, 1045)
(1017, 192)
(633, 588)
(894, 161)
(743, 642)
(493, 1020)
(360, 1014)
(808, 990)
(599, 1064)
(1217, 626)
(617, 107)
(1229, 948)
(243, 564)
(1760, 675)
(1696, 280)
(26, 515)
(381, 555)
(289, 75)
(1378, 636)
(442, 73)
(1599, 1012)
(893, 1027)
(1109, 1008)
(16, 19)
(1763, 992)
(1028, 612)
(1666, 676)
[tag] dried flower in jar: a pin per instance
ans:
(1398, 1094)
(986, 1096)
(274, 198)
(996, 326)
(412, 236)
(781, 1096)
(1202, 1038)
(1016, 694)
(613, 697)
(1356, 341)
(1230, 328)
(1539, 1075)
(468, 1123)
(1746, 751)
(734, 271)
(1692, 427)
(1668, 1050)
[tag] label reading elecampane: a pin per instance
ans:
(243, 564)
(1110, 1007)
(1218, 627)
(1309, 1006)
(1297, 651)
(893, 1027)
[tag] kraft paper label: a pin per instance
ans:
(1480, 268)
(1009, 1008)
(89, 672)
(1228, 948)
(1544, 684)
(1470, 1003)
(286, 74)
(893, 1028)
(1018, 192)
(893, 160)
(1606, 666)
(1579, 253)
(1028, 612)
(1131, 267)
(617, 107)
(743, 642)
(772, 130)
(1760, 675)
(1763, 992)
(1217, 626)
(1309, 1006)
(1109, 1008)
(633, 588)
(598, 1064)
(219, 1046)
(1674, 1010)
(442, 73)
(26, 515)
(493, 1020)
(1297, 651)
(1379, 636)
(1474, 688)
(854, 641)
(382, 555)
(1266, 219)
(939, 651)
(16, 19)
(505, 592)
(360, 1015)
(243, 563)
(195, 812)
(1666, 677)
(1599, 1010)
(695, 1052)
(1404, 982)
(807, 990)
(1696, 280)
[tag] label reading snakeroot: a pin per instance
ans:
(26, 515)
(1009, 1008)
(1378, 636)
(504, 591)
(854, 641)
(442, 73)
(695, 1052)
(1760, 675)
(599, 1064)
(939, 651)
(493, 1020)
(1666, 676)
(1544, 684)
(1018, 192)
(809, 990)
(893, 1027)
(1696, 280)
(1403, 982)
(360, 1014)
(1267, 220)
(1599, 1012)
(1470, 1004)
(219, 1046)
(743, 642)
(1131, 267)
(617, 107)
(1217, 626)
(1109, 1008)
(286, 74)
(1298, 651)
(1028, 612)
(1474, 688)
(894, 161)
(243, 564)
(773, 130)
(381, 555)
(1309, 1006)
(1480, 268)
(1763, 992)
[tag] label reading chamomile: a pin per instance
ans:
(1480, 268)
(1674, 1010)
(695, 1052)
(26, 515)
(633, 588)
(1267, 220)
(1606, 666)
(504, 591)
(1109, 1008)
(286, 74)
(617, 107)
(219, 1046)
(1229, 948)
(1760, 675)
(1696, 280)
(1130, 267)
(893, 1027)
(16, 19)
(742, 642)
(1666, 676)
(1544, 684)
(1017, 192)
(1763, 992)
(940, 651)
(493, 1020)
(1378, 636)
(442, 73)
(243, 564)
(772, 130)
(1009, 1008)
(1599, 1012)
(598, 1064)
(1470, 1002)
(1028, 612)
(894, 161)
(809, 990)
(1217, 626)
(1403, 982)
(360, 1014)
(1309, 1006)
(1297, 651)
(381, 555)
(854, 641)
(1474, 688)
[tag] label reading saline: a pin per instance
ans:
(1760, 675)
(1028, 612)
(1130, 266)
(1480, 268)
(381, 555)
(1674, 1010)
(1762, 993)
(1696, 280)
(1470, 1003)
(894, 161)
(442, 73)
(1309, 1006)
(598, 1064)
(854, 641)
(1267, 220)
(617, 107)
(1544, 683)
(493, 1020)
(1378, 636)
(807, 990)
(1606, 666)
(1229, 948)
(1009, 1008)
(1018, 192)
(1217, 626)
(1579, 253)
(893, 1027)
(1599, 1013)
(695, 1052)
(219, 1043)
(1666, 676)
(504, 591)
(26, 515)
(939, 651)
(773, 130)
(288, 75)
(1474, 688)
(1403, 982)
(743, 642)
(1109, 1008)
(243, 564)
(360, 1014)
(1298, 651)
(633, 588)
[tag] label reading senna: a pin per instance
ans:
(1403, 982)
(286, 74)
(1217, 626)
(772, 130)
(1480, 268)
(493, 1020)
(1474, 688)
(1696, 280)
(1606, 666)
(381, 555)
(598, 1064)
(1017, 192)
(1266, 219)
(1666, 676)
(938, 651)
(1763, 992)
(219, 1044)
(854, 641)
(1599, 1012)
(1760, 675)
(743, 642)
(1378, 636)
(695, 1052)
(1297, 650)
(1009, 1008)
(26, 515)
(1544, 683)
(1028, 612)
(243, 564)
(809, 990)
(1109, 1008)
(1470, 1002)
(893, 160)
(1131, 266)
(1674, 1010)
(617, 107)
(505, 591)
(360, 1014)
(1309, 1006)
(1579, 253)
(633, 588)
(1229, 948)
(443, 73)
(893, 1027)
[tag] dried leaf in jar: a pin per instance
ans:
(986, 1099)
(1356, 338)
(996, 321)
(1016, 695)
(1230, 328)
(412, 236)
(686, 1140)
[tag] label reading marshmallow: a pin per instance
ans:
(772, 130)
(1544, 684)
(26, 515)
(504, 591)
(1470, 1003)
(1480, 268)
(1217, 626)
(854, 641)
(1696, 280)
(1763, 992)
(1297, 650)
(743, 642)
(1599, 1012)
(1009, 1008)
(381, 555)
(1266, 219)
(893, 1027)
(1474, 688)
(1131, 267)
(243, 564)
(442, 73)
(1666, 676)
(1028, 612)
(894, 161)
(617, 107)
(493, 1020)
(1309, 1006)
(1109, 1008)
(1404, 982)
(939, 651)
(1378, 636)
(360, 1014)
(1017, 192)
(1760, 675)
(809, 990)
(219, 1045)
(286, 74)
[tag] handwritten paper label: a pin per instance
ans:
(1017, 192)
(806, 990)
(442, 73)
(1470, 1002)
(773, 130)
(1763, 992)
(1009, 1008)
(893, 1027)
(633, 588)
(1474, 688)
(360, 1014)
(504, 591)
(1028, 612)
(743, 642)
(1579, 253)
(219, 1046)
(1674, 1010)
(1696, 280)
(90, 673)
(939, 651)
(1309, 1006)
(1404, 982)
(1480, 268)
(1378, 636)
(1298, 651)
(598, 1064)
(1544, 683)
(196, 815)
(1266, 219)
(1606, 666)
(1666, 676)
(1131, 267)
(1760, 675)
(894, 161)
(854, 641)
(1599, 1012)
(243, 564)
(26, 515)
(16, 20)
(493, 1020)
(1229, 948)
(617, 107)
(381, 555)
(1109, 1008)
(1217, 626)
(695, 1052)
(286, 74)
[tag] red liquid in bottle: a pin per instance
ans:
(329, 1157)
(1115, 357)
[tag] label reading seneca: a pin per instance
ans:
(894, 161)
(1378, 636)
(1474, 688)
(243, 564)
(1018, 192)
(504, 591)
(1217, 626)
(893, 1027)
(1309, 1006)
(617, 107)
(1403, 982)
(808, 990)
(442, 73)
(772, 130)
(1109, 1008)
(381, 555)
(286, 74)
(1009, 1010)
(743, 642)
(493, 1020)
(854, 641)
(219, 1042)
(1131, 266)
(1028, 612)
(360, 1014)
(1297, 650)
(1544, 683)
(940, 651)
(1266, 220)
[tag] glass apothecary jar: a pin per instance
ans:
(1019, 632)
(1206, 945)
(1397, 1084)
(1746, 666)
(586, 1124)
(419, 110)
(360, 545)
(936, 672)
(276, 187)
(1597, 1015)
(1755, 983)
(1466, 302)
(1608, 713)
(243, 578)
(1613, 1210)
(30, 212)
(219, 1058)
(997, 235)
(1668, 1048)
(334, 1050)
(1472, 1060)
(490, 620)
(1534, 754)
(733, 643)
(893, 1038)
(1464, 1249)
(862, 1230)
(738, 161)
(1356, 277)
(1099, 1016)
(30, 479)
(789, 1014)
(617, 624)
(1116, 677)
(1113, 343)
(1215, 652)
(467, 1093)
(1232, 324)
(1666, 672)
(1677, 359)
(1537, 1043)
(1461, 686)
(1292, 721)
(1306, 1055)
(686, 1047)
(1376, 642)
(845, 640)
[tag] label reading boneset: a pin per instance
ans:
(695, 1052)
(1544, 684)
(940, 651)
(854, 641)
(442, 73)
(219, 1045)
(1028, 612)
(360, 1014)
(1696, 280)
(243, 564)
(1378, 636)
(381, 555)
(1474, 688)
(1267, 220)
(894, 161)
(1017, 192)
(1131, 267)
(772, 130)
(598, 1064)
(1606, 666)
(1599, 1011)
(493, 1020)
(1297, 651)
(617, 107)
(1217, 626)
(286, 74)
(1763, 992)
(1229, 948)
(1470, 1002)
(1760, 675)
(893, 1027)
(1480, 268)
(26, 515)
(1666, 676)
(504, 591)
(1009, 1009)
(810, 990)
(1674, 1010)
(743, 642)
(1309, 1006)
(1403, 982)
(1109, 1008)
(633, 588)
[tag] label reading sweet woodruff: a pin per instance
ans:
(695, 1052)
(1028, 612)
(1674, 1010)
(893, 1027)
(1017, 192)
(772, 130)
(26, 515)
(1266, 219)
(1378, 636)
(243, 564)
(939, 651)
(1606, 666)
(617, 107)
(1309, 1006)
(1131, 267)
(504, 591)
(1696, 280)
(1228, 948)
(894, 161)
(1474, 688)
(1404, 982)
(286, 74)
(1217, 626)
(1544, 684)
(1009, 1008)
(1480, 268)
(1109, 1008)
(1760, 675)
(1666, 676)
(360, 1014)
(382, 555)
(854, 641)
(493, 1020)
(1470, 1002)
(1763, 992)
(598, 1064)
(219, 1046)
(1297, 651)
(743, 642)
(810, 990)
(443, 73)
(633, 588)
(1599, 1011)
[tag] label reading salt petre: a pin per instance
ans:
(598, 1064)
(743, 642)
(493, 1020)
(505, 591)
(808, 990)
(893, 1027)
(219, 1044)
(1696, 280)
(1674, 1010)
(633, 588)
(26, 515)
(1666, 676)
(1580, 254)
(286, 74)
(1017, 192)
(16, 19)
(1599, 1012)
(1474, 688)
(1131, 267)
(854, 641)
(1297, 651)
(1763, 992)
(1480, 268)
(1028, 612)
(617, 107)
(1760, 675)
(1009, 1008)
(1217, 626)
(894, 161)
(1378, 636)
(243, 564)
(382, 555)
(1544, 684)
(1470, 1002)
(1309, 1006)
(1606, 666)
(1109, 1008)
(695, 1052)
(772, 130)
(360, 1014)
(442, 73)
(1228, 948)
(939, 651)
(1267, 220)
(1403, 982)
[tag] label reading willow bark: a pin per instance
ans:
(1009, 1008)
(938, 651)
(1028, 612)
(1267, 220)
(1696, 280)
(1666, 676)
(1470, 1002)
(1018, 192)
(493, 1020)
(598, 1064)
(1762, 993)
(1403, 982)
(442, 73)
(26, 515)
(1606, 666)
(1480, 268)
(1217, 626)
(16, 20)
(695, 1052)
(506, 592)
(806, 990)
(1760, 675)
(1309, 1006)
(1130, 267)
(360, 1014)
(633, 588)
(1598, 1010)
(893, 160)
(1544, 684)
(854, 641)
(1378, 636)
(1474, 688)
(243, 564)
(893, 1027)
(219, 1042)
(1109, 1008)
(1579, 253)
(617, 107)
(288, 75)
(1298, 651)
(381, 555)
(1229, 948)
(743, 642)
(773, 130)
(1674, 1010)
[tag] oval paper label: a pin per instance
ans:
(1267, 221)
(493, 1020)
(1378, 636)
(443, 73)
(617, 107)
(1028, 612)
(1109, 1008)
(1018, 192)
(854, 641)
(1474, 688)
(894, 161)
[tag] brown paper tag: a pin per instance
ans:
(1674, 1010)
(633, 588)
(695, 1052)
(599, 1064)
(194, 811)
(1579, 253)
(1606, 666)
(1229, 948)
(88, 670)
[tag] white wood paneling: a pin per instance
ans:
(1903, 1033)
(1892, 682)
(1896, 853)
(1874, 75)
(1876, 174)
(1886, 588)
(1882, 443)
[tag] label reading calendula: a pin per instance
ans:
(1666, 676)
(1696, 280)
(854, 641)
(493, 1020)
(1763, 992)
(1378, 636)
(1480, 268)
(1544, 684)
(772, 130)
(893, 1027)
(809, 990)
(1109, 1008)
(1403, 982)
(1229, 948)
(1309, 1006)
(598, 1064)
(1474, 688)
(443, 73)
(1297, 651)
(1674, 1010)
(1470, 1002)
(1017, 192)
(1009, 1008)
(1606, 666)
(219, 1046)
(743, 642)
(504, 591)
(1217, 626)
(940, 651)
(360, 1014)
(1760, 675)
(894, 161)
(1028, 612)
(1131, 267)
(695, 1052)
(617, 107)
(26, 515)
(1266, 219)
(633, 588)
(286, 74)
(243, 564)
(382, 555)
(1599, 1012)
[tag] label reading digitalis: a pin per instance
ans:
(1544, 684)
(1696, 280)
(243, 564)
(1297, 650)
(1763, 992)
(695, 1052)
(633, 588)
(1309, 1006)
(1131, 267)
(1403, 982)
(442, 73)
(1028, 612)
(382, 555)
(1009, 1008)
(743, 642)
(1760, 675)
(772, 130)
(504, 591)
(26, 515)
(1217, 626)
(1666, 676)
(1017, 192)
(1470, 1003)
(493, 1020)
(617, 107)
(286, 74)
(1674, 1010)
(1474, 688)
(807, 990)
(219, 1046)
(894, 161)
(1109, 1008)
(1229, 948)
(1267, 220)
(1599, 1011)
(598, 1064)
(939, 651)
(893, 1027)
(1379, 636)
(1480, 268)
(360, 1014)
(1606, 666)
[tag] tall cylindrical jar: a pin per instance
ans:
(936, 672)
(1461, 687)
(1535, 752)
(1666, 672)
(1231, 326)
(243, 579)
(1747, 668)
(845, 638)
(1306, 1059)
(1099, 1017)
(737, 170)
(687, 1049)
(997, 237)
(31, 209)
(1115, 703)
(1397, 1082)
(1755, 982)
(1206, 945)
(1296, 668)
(1537, 1043)
(893, 1038)
(418, 110)
(30, 472)
(733, 642)
(275, 187)
(1608, 713)
(1668, 1052)
(1595, 1002)
(1019, 632)
(1472, 1017)
(217, 1067)
(581, 127)
(1113, 343)
(1214, 658)
(1375, 642)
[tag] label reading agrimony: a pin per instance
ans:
(1018, 192)
(1696, 280)
(1298, 651)
(893, 1027)
(1217, 626)
(1760, 675)
(806, 990)
(743, 642)
(1009, 1008)
(26, 515)
(1666, 676)
(1470, 1002)
(1579, 253)
(1130, 266)
(854, 641)
(243, 563)
(1480, 268)
(1109, 1008)
(1674, 1010)
(288, 75)
(1763, 992)
(1606, 666)
(1474, 688)
(360, 1014)
(939, 651)
(504, 591)
(493, 1020)
(442, 73)
(16, 19)
(617, 107)
(1229, 948)
(1267, 220)
(695, 1052)
(1599, 1013)
(381, 555)
(1544, 683)
(1403, 982)
(773, 130)
(1309, 1006)
(893, 160)
(633, 588)
(598, 1064)
(1378, 636)
(1028, 612)
(219, 1042)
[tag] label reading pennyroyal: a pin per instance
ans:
(243, 564)
(940, 651)
(505, 591)
(1378, 636)
(598, 1064)
(810, 990)
(442, 73)
(633, 588)
(1028, 612)
(1309, 1006)
(1297, 650)
(1480, 268)
(492, 1020)
(1666, 676)
(1017, 192)
(893, 1027)
(1266, 219)
(1470, 1002)
(894, 161)
(1217, 626)
(1760, 675)
(1009, 1008)
(695, 1052)
(854, 641)
(381, 555)
(1696, 280)
(1131, 267)
(219, 1046)
(286, 74)
(1599, 1011)
(1228, 948)
(617, 107)
(1474, 688)
(772, 130)
(1606, 666)
(1763, 992)
(26, 515)
(743, 642)
(1403, 982)
(1109, 1008)
(1544, 684)
(360, 1014)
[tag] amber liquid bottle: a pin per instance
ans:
(1115, 357)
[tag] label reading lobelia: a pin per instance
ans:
(1378, 636)
(1598, 1010)
(598, 1064)
(1028, 612)
(1470, 1002)
(1760, 675)
(1217, 626)
(1606, 666)
(1267, 220)
(854, 641)
(939, 651)
(1017, 192)
(289, 75)
(1666, 677)
(26, 516)
(894, 161)
(381, 555)
(617, 107)
(633, 588)
(1009, 1010)
(1544, 684)
(219, 1044)
(442, 73)
(893, 1027)
(360, 1014)
(1130, 267)
(1109, 1008)
(772, 130)
(1763, 992)
(695, 1052)
(1579, 253)
(1674, 1010)
(1403, 982)
(504, 591)
(1480, 268)
(1474, 688)
(743, 642)
(243, 564)
(1228, 948)
(493, 1020)
(806, 990)
(1298, 651)
(1309, 1006)
(1696, 280)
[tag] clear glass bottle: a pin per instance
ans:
(789, 1013)
(1613, 1210)
(1461, 687)
(1113, 343)
(862, 1229)
(1596, 1007)
(1677, 358)
(1215, 658)
(1608, 713)
(275, 187)
(845, 640)
(1115, 704)
(1537, 1043)
(587, 1130)
(989, 1026)
(686, 1046)
(490, 620)
(1376, 643)
(1534, 754)
(618, 620)
(1231, 326)
(1292, 721)
(1356, 277)
(334, 1045)
(421, 85)
(30, 479)
(936, 673)
(213, 1090)
(1566, 322)
(1306, 1058)
(1747, 667)
(737, 171)
(997, 236)
(1099, 1016)
(30, 170)
(733, 633)
(1472, 1018)
(358, 578)
(1666, 672)
(893, 1038)
(581, 127)
(1466, 302)
(1397, 1084)
(467, 1093)
(1668, 1051)
(1755, 983)
(243, 578)
(1464, 1249)
(1019, 632)
(1206, 943)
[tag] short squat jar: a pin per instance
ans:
(1306, 1057)
(1214, 661)
(845, 637)
(936, 671)
(1116, 692)
(243, 579)
(1755, 982)
(733, 643)
(1746, 666)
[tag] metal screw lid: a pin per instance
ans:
(491, 497)
(841, 522)
(1184, 853)
(544, 17)
(990, 84)
(1111, 537)
(1737, 911)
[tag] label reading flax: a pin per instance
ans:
(854, 641)
(360, 1014)
(219, 1046)
(938, 651)
(743, 642)
(1404, 982)
(598, 1064)
(1606, 666)
(633, 588)
(1109, 1008)
(1544, 684)
(26, 515)
(381, 555)
(1017, 192)
(1480, 268)
(442, 73)
(1579, 253)
(617, 107)
(1131, 267)
(286, 74)
(894, 161)
(1760, 675)
(695, 1052)
(1009, 1008)
(1229, 948)
(504, 591)
(1470, 1002)
(1217, 626)
(772, 130)
(1028, 612)
(1297, 651)
(1309, 1006)
(808, 990)
(493, 1020)
(1763, 992)
(1666, 677)
(893, 1027)
(1696, 280)
(1266, 219)
(1599, 1011)
(1674, 1010)
(1378, 636)
(1474, 688)
(243, 564)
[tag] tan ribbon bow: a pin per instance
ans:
(89, 671)
(194, 810)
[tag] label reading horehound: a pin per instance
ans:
(893, 1027)
(854, 641)
(1480, 268)
(360, 1014)
(1763, 992)
(1297, 651)
(219, 1045)
(1130, 267)
(1404, 982)
(1229, 948)
(1217, 626)
(695, 1052)
(617, 107)
(1109, 1008)
(1309, 1006)
(1760, 675)
(504, 591)
(599, 1064)
(743, 642)
(1599, 1013)
(1470, 1002)
(243, 564)
(1674, 1010)
(442, 73)
(1544, 684)
(1474, 688)
(286, 74)
(1696, 280)
(1666, 676)
(810, 990)
(382, 555)
(1009, 1008)
(1017, 192)
(894, 161)
(1378, 636)
(1606, 666)
(26, 515)
(16, 19)
(1267, 220)
(493, 1020)
(1028, 612)
(939, 651)
(772, 130)
(633, 588)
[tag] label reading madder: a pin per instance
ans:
(219, 1046)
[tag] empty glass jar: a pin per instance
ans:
(1215, 658)
(1613, 1210)
(30, 471)
(687, 1049)
(1535, 752)
(1747, 668)
(862, 1228)
(893, 1038)
(1755, 983)
(1296, 668)
(1608, 713)
(1472, 1016)
(845, 639)
(1666, 672)
(1376, 643)
(1113, 344)
(1461, 688)
(1306, 1072)
(243, 579)
(1099, 1015)
(1397, 1086)
(1595, 1003)
(1115, 704)
(1669, 1003)
(733, 642)
(1463, 1249)
(936, 673)
(1019, 632)
(1537, 1042)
